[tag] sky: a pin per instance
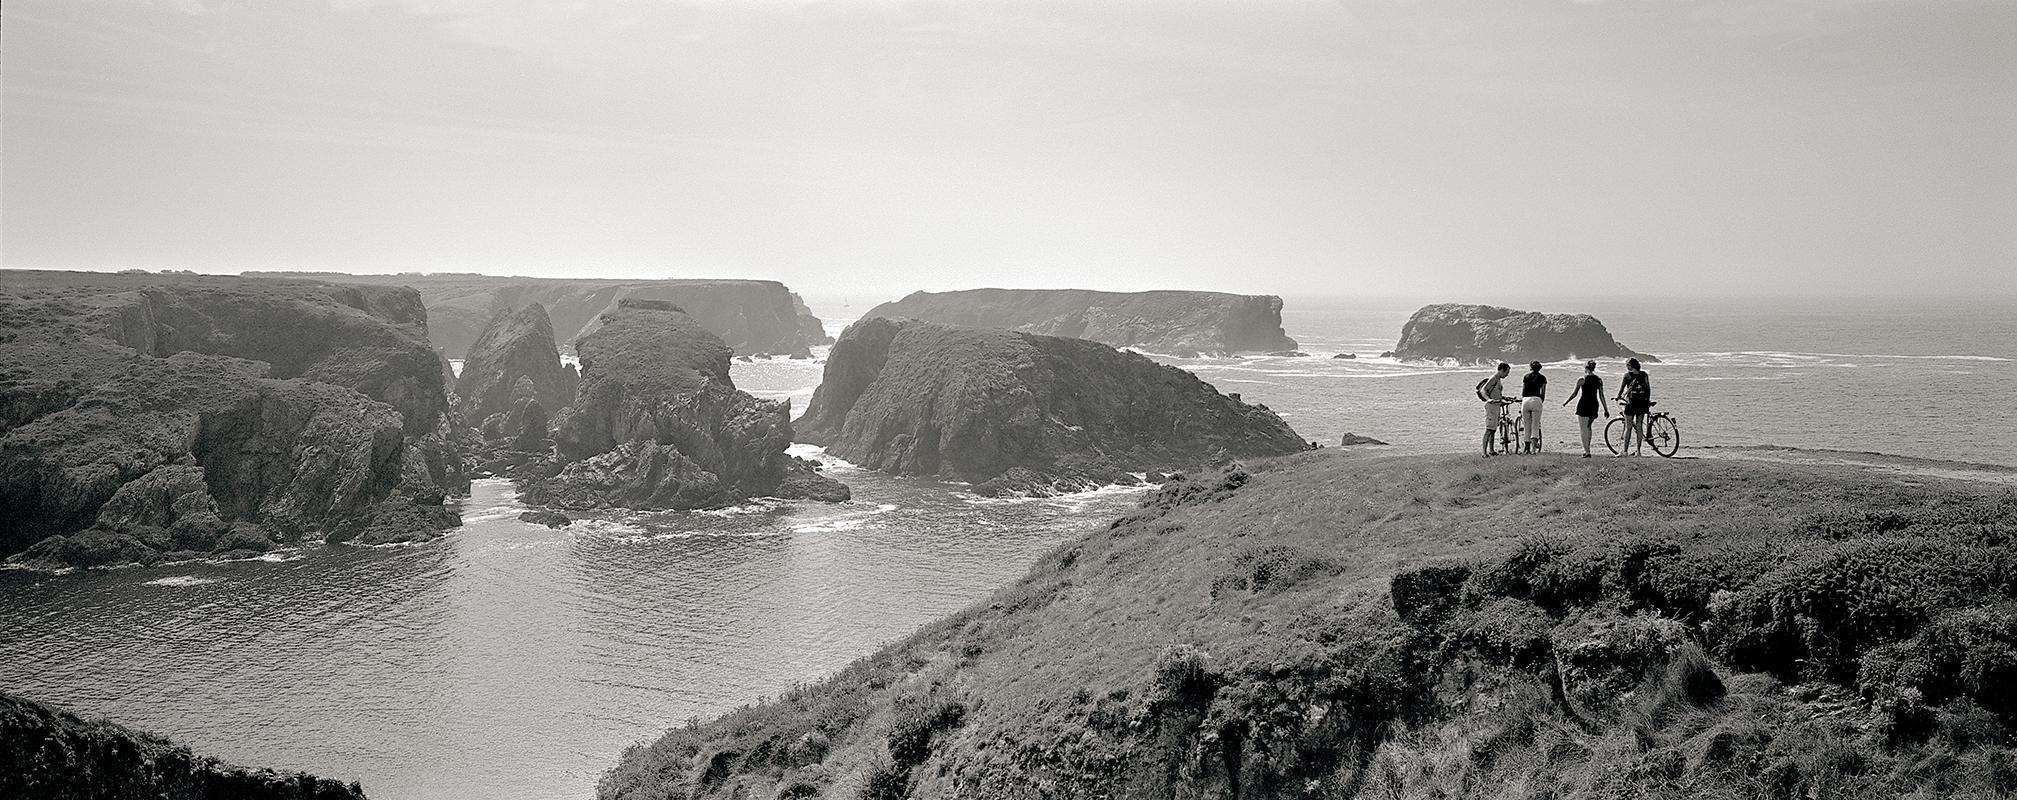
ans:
(1449, 148)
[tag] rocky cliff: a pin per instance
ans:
(144, 416)
(516, 346)
(1167, 322)
(1477, 334)
(752, 316)
(1341, 625)
(51, 754)
(659, 424)
(1022, 413)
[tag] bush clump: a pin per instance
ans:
(1820, 611)
(1969, 653)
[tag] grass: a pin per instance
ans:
(1338, 625)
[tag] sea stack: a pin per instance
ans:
(1176, 323)
(659, 424)
(146, 416)
(1019, 413)
(1477, 334)
(514, 361)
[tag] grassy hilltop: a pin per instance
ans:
(1346, 625)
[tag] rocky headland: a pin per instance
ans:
(1021, 413)
(1179, 323)
(752, 316)
(1342, 624)
(47, 753)
(1479, 334)
(145, 417)
(659, 424)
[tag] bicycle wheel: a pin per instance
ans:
(1666, 436)
(1507, 433)
(1614, 435)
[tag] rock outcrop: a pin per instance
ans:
(1477, 334)
(659, 424)
(1019, 413)
(144, 417)
(514, 357)
(752, 316)
(48, 753)
(1166, 322)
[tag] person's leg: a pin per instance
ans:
(1586, 423)
(1488, 441)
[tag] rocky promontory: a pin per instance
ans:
(1020, 413)
(1180, 323)
(1478, 334)
(47, 753)
(659, 424)
(1349, 624)
(752, 316)
(145, 417)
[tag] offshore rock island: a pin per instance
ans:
(1020, 413)
(1479, 334)
(752, 316)
(47, 752)
(659, 424)
(1178, 323)
(1333, 625)
(148, 417)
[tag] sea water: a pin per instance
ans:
(510, 660)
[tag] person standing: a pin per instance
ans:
(1492, 390)
(1590, 389)
(1635, 390)
(1533, 394)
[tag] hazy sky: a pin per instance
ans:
(1468, 148)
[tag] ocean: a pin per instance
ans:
(508, 660)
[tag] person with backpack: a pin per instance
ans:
(1591, 389)
(1533, 395)
(1492, 390)
(1635, 390)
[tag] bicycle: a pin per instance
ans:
(1511, 433)
(1662, 431)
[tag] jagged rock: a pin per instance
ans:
(1289, 353)
(551, 519)
(1478, 334)
(1346, 355)
(139, 423)
(514, 357)
(46, 752)
(1016, 412)
(1351, 439)
(1178, 323)
(659, 423)
(752, 316)
(1386, 354)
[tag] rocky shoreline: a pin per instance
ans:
(1482, 334)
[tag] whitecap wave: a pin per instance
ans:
(828, 462)
(182, 580)
(845, 521)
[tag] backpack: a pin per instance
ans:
(1480, 390)
(1637, 387)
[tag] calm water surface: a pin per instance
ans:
(513, 661)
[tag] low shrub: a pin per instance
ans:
(1969, 653)
(1426, 594)
(1277, 567)
(1820, 611)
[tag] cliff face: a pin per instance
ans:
(515, 347)
(1334, 625)
(1472, 333)
(751, 316)
(47, 753)
(1015, 412)
(143, 416)
(1168, 322)
(659, 424)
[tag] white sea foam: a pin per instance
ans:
(182, 580)
(828, 462)
(845, 521)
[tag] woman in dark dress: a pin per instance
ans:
(1588, 395)
(1635, 390)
